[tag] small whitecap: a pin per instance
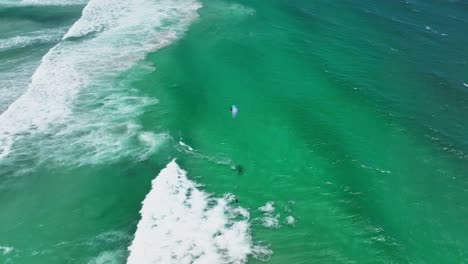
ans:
(290, 220)
(5, 250)
(267, 208)
(270, 221)
(183, 144)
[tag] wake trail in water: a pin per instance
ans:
(185, 148)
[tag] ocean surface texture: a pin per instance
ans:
(117, 145)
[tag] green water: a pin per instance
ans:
(352, 120)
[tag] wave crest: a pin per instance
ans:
(126, 30)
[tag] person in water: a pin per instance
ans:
(239, 169)
(233, 109)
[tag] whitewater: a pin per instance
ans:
(182, 224)
(118, 145)
(75, 112)
(108, 39)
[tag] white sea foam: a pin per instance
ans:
(124, 31)
(290, 220)
(108, 237)
(35, 37)
(465, 84)
(43, 2)
(434, 31)
(17, 71)
(261, 252)
(150, 141)
(187, 147)
(182, 224)
(271, 221)
(108, 257)
(267, 208)
(5, 250)
(218, 159)
(102, 142)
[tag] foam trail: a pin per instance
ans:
(290, 220)
(124, 31)
(182, 224)
(189, 148)
(185, 148)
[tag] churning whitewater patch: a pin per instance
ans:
(289, 220)
(268, 207)
(75, 84)
(17, 70)
(5, 250)
(53, 2)
(108, 257)
(182, 224)
(271, 220)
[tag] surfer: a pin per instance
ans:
(239, 169)
(233, 109)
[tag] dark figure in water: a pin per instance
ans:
(240, 169)
(233, 110)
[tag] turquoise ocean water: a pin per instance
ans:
(117, 144)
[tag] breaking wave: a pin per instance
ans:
(182, 224)
(74, 100)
